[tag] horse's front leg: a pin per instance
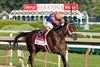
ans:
(31, 59)
(64, 60)
(28, 62)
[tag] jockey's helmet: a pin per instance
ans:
(58, 16)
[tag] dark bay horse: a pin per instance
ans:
(55, 39)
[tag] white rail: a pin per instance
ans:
(83, 33)
(84, 46)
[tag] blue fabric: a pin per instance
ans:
(48, 19)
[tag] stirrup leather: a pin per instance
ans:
(47, 31)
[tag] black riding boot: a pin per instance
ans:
(41, 34)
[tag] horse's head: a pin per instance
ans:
(70, 28)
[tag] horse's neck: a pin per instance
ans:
(59, 32)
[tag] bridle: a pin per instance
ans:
(71, 33)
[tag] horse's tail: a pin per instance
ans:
(21, 34)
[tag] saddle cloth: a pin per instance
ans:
(40, 40)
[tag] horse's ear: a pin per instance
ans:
(66, 21)
(71, 21)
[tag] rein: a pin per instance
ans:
(68, 28)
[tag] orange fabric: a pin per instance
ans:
(58, 15)
(56, 22)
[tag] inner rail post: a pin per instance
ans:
(86, 57)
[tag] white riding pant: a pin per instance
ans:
(47, 24)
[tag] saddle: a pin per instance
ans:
(41, 38)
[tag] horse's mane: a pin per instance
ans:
(60, 27)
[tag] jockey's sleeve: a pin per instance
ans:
(52, 17)
(49, 20)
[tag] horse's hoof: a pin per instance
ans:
(23, 65)
(68, 66)
(27, 65)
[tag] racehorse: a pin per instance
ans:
(55, 40)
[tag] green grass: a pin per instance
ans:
(36, 24)
(90, 30)
(22, 27)
(13, 25)
(75, 60)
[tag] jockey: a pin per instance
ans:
(53, 20)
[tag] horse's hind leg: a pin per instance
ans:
(31, 59)
(64, 60)
(21, 57)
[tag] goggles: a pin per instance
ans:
(59, 19)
